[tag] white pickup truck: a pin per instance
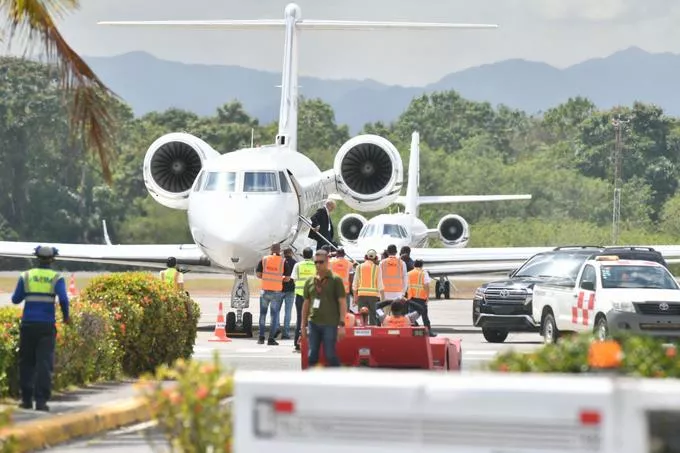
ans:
(610, 295)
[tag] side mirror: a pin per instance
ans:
(588, 286)
(512, 272)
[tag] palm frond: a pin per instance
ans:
(89, 113)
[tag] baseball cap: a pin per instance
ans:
(371, 254)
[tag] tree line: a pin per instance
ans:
(57, 191)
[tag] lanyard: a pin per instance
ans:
(320, 284)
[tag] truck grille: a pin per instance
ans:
(655, 308)
(503, 295)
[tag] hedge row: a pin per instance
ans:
(122, 324)
(640, 356)
(191, 412)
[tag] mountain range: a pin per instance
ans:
(148, 84)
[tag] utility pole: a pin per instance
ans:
(618, 124)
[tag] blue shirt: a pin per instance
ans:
(41, 311)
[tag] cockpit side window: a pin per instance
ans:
(285, 187)
(259, 181)
(199, 181)
(220, 182)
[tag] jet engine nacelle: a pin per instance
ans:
(368, 173)
(350, 226)
(171, 166)
(454, 231)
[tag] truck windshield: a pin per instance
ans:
(557, 265)
(637, 277)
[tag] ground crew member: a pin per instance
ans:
(397, 317)
(392, 276)
(405, 254)
(341, 267)
(365, 286)
(302, 271)
(37, 338)
(171, 275)
(418, 291)
(271, 270)
(288, 292)
(323, 311)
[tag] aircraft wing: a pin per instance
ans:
(446, 199)
(144, 255)
(449, 261)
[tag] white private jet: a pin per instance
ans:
(357, 235)
(240, 202)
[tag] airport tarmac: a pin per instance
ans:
(451, 318)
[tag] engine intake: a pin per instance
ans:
(454, 231)
(171, 166)
(368, 172)
(350, 226)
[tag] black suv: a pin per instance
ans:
(504, 306)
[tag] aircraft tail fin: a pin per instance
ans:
(411, 200)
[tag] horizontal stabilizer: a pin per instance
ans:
(276, 24)
(464, 198)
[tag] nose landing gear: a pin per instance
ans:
(240, 324)
(442, 287)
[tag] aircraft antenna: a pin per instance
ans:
(618, 124)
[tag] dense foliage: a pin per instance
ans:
(641, 356)
(191, 412)
(122, 323)
(562, 157)
(154, 324)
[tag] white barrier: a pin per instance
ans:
(377, 411)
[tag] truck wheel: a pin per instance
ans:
(494, 335)
(550, 332)
(601, 329)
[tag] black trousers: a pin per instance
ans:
(299, 300)
(371, 302)
(36, 361)
(423, 311)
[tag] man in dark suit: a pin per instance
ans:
(322, 225)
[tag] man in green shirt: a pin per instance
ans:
(323, 311)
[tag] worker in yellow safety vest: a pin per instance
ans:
(392, 277)
(341, 266)
(365, 285)
(418, 291)
(171, 275)
(302, 271)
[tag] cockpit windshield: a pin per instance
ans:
(259, 181)
(220, 181)
(389, 230)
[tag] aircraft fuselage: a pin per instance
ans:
(398, 229)
(244, 201)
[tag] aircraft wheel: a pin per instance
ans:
(248, 324)
(447, 290)
(437, 289)
(231, 322)
(495, 335)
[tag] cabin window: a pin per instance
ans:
(220, 182)
(259, 181)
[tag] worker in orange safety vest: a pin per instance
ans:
(398, 317)
(271, 270)
(392, 276)
(418, 291)
(340, 265)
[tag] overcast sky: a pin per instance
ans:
(559, 32)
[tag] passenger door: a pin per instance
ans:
(583, 302)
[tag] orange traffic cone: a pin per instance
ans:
(72, 291)
(220, 332)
